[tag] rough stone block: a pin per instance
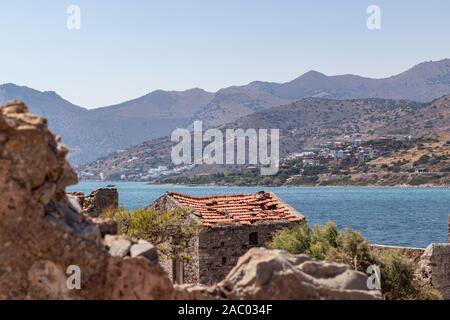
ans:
(145, 249)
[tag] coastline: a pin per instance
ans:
(369, 186)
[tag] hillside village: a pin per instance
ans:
(388, 160)
(352, 160)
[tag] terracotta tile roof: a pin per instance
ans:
(238, 208)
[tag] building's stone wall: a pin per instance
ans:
(435, 267)
(165, 261)
(192, 267)
(448, 229)
(220, 247)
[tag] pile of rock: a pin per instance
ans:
(123, 246)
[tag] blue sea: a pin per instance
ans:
(391, 216)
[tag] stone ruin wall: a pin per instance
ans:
(220, 247)
(98, 201)
(434, 267)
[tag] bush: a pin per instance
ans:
(325, 243)
(398, 280)
(417, 181)
(422, 160)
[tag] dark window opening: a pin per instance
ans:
(253, 239)
(222, 244)
(224, 260)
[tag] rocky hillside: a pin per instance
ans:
(302, 124)
(91, 134)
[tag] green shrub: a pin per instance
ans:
(324, 243)
(296, 240)
(398, 280)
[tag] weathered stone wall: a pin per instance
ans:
(220, 247)
(435, 267)
(164, 203)
(190, 267)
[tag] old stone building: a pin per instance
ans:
(231, 225)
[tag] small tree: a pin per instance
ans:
(171, 231)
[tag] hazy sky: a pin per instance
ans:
(126, 49)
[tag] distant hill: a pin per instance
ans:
(302, 124)
(422, 83)
(91, 134)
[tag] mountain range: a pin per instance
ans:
(95, 133)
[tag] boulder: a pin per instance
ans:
(119, 245)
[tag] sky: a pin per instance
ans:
(126, 49)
